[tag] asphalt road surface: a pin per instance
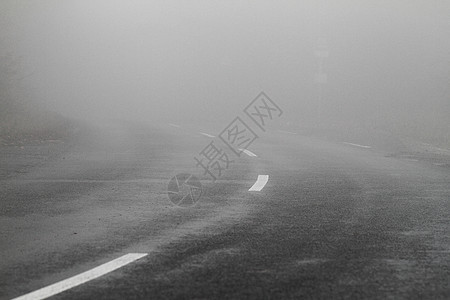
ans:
(334, 220)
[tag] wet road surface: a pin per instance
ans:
(332, 221)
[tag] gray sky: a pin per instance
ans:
(182, 60)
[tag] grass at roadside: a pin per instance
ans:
(23, 127)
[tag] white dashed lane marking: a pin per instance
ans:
(260, 183)
(206, 134)
(356, 145)
(76, 280)
(175, 125)
(248, 152)
(288, 132)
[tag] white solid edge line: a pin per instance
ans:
(248, 152)
(208, 135)
(76, 280)
(356, 145)
(260, 183)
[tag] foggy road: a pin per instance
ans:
(331, 221)
(224, 149)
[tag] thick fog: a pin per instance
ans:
(388, 62)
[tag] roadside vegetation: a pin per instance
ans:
(22, 120)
